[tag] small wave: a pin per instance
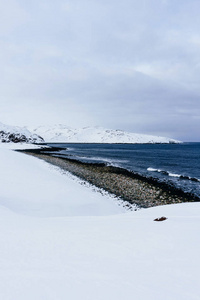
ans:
(109, 162)
(173, 174)
(107, 159)
(153, 170)
(92, 158)
(81, 158)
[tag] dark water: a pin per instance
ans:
(172, 163)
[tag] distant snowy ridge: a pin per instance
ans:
(64, 134)
(15, 134)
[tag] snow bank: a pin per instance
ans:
(29, 186)
(62, 133)
(54, 247)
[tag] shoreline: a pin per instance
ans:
(131, 187)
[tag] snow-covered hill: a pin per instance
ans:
(62, 133)
(17, 134)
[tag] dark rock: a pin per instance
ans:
(7, 137)
(160, 219)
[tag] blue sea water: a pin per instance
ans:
(172, 163)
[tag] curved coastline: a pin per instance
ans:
(132, 187)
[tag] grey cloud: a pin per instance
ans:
(133, 65)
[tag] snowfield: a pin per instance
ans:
(62, 240)
(64, 134)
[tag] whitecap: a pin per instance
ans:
(174, 175)
(152, 170)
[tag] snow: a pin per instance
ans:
(28, 186)
(61, 133)
(15, 134)
(63, 240)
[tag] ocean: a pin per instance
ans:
(174, 164)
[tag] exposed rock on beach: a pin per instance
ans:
(134, 188)
(16, 134)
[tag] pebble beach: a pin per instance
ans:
(134, 188)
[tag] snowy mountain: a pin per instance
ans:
(62, 133)
(17, 134)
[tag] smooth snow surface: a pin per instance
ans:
(31, 186)
(61, 240)
(62, 133)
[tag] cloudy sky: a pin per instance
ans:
(131, 65)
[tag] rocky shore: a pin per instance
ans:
(134, 188)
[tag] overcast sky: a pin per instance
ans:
(131, 65)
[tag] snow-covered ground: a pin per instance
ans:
(62, 240)
(64, 134)
(17, 134)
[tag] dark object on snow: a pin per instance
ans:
(160, 219)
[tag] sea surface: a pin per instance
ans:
(177, 164)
